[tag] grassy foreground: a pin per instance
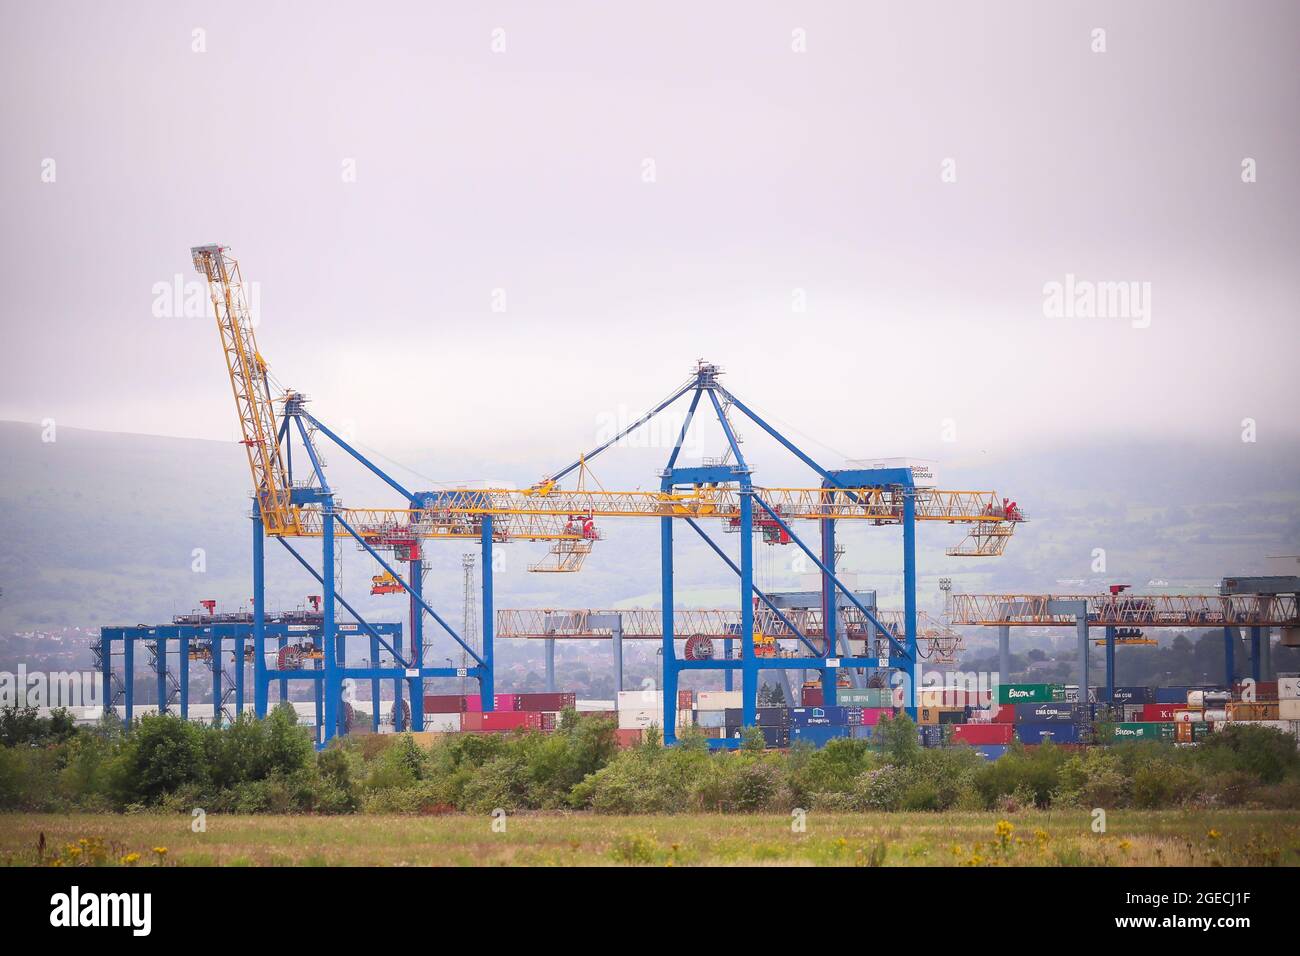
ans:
(1031, 838)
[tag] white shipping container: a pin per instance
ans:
(641, 700)
(442, 723)
(1288, 688)
(1288, 709)
(630, 719)
(589, 705)
(1286, 726)
(710, 719)
(718, 699)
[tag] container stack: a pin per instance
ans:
(1030, 714)
(1273, 704)
(711, 710)
(1183, 715)
(457, 713)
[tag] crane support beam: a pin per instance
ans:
(1127, 610)
(409, 590)
(757, 592)
(827, 572)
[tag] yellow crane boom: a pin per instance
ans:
(545, 512)
(248, 381)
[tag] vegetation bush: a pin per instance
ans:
(271, 766)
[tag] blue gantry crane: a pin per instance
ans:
(289, 505)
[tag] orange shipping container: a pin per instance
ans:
(1259, 710)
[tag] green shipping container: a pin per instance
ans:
(864, 697)
(1145, 730)
(1030, 693)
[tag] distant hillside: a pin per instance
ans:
(101, 528)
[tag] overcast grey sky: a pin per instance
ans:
(913, 176)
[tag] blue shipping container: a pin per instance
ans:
(863, 732)
(825, 716)
(816, 734)
(1172, 695)
(1132, 695)
(990, 751)
(1059, 733)
(776, 736)
(931, 735)
(773, 716)
(1053, 713)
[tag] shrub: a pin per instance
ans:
(1033, 774)
(1094, 778)
(161, 754)
(898, 739)
(1163, 783)
(881, 789)
(1266, 754)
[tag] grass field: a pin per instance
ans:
(1196, 838)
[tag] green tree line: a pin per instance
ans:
(271, 766)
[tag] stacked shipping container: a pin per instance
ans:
(1029, 713)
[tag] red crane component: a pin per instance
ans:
(385, 584)
(699, 647)
(771, 529)
(582, 525)
(209, 605)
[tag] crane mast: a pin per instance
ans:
(252, 391)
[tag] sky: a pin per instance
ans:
(480, 233)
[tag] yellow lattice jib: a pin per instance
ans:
(248, 382)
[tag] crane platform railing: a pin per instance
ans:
(1104, 610)
(546, 516)
(647, 623)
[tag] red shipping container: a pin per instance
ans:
(1158, 713)
(812, 697)
(506, 702)
(871, 715)
(471, 704)
(443, 704)
(983, 733)
(1263, 690)
(549, 721)
(548, 702)
(1001, 714)
(627, 738)
(471, 721)
(685, 699)
(512, 720)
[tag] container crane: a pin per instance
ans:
(285, 509)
